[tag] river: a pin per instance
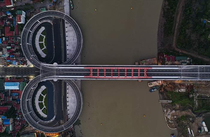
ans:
(119, 32)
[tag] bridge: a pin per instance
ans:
(129, 72)
(67, 72)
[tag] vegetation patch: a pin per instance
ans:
(180, 98)
(41, 105)
(45, 51)
(41, 38)
(44, 111)
(169, 11)
(43, 42)
(40, 98)
(44, 92)
(203, 106)
(77, 123)
(44, 33)
(183, 123)
(195, 29)
(43, 101)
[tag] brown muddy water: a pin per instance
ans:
(119, 32)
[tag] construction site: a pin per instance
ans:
(185, 105)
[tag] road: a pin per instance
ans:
(50, 125)
(33, 23)
(19, 71)
(129, 72)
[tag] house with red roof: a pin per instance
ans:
(7, 31)
(1, 128)
(2, 4)
(8, 3)
(170, 58)
(20, 18)
(1, 96)
(4, 109)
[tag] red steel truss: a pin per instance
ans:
(118, 72)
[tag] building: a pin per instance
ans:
(8, 3)
(7, 31)
(177, 60)
(2, 129)
(184, 60)
(4, 109)
(20, 18)
(6, 122)
(11, 85)
(170, 58)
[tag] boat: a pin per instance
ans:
(71, 4)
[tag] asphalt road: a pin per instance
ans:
(50, 99)
(134, 72)
(58, 100)
(28, 31)
(52, 125)
(58, 40)
(18, 71)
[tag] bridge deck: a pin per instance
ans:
(131, 72)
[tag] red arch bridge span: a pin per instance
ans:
(128, 72)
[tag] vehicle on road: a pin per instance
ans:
(154, 88)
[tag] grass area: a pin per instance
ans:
(41, 105)
(40, 98)
(180, 99)
(45, 51)
(78, 122)
(43, 101)
(41, 45)
(169, 11)
(203, 106)
(44, 33)
(44, 91)
(41, 38)
(183, 124)
(44, 111)
(193, 33)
